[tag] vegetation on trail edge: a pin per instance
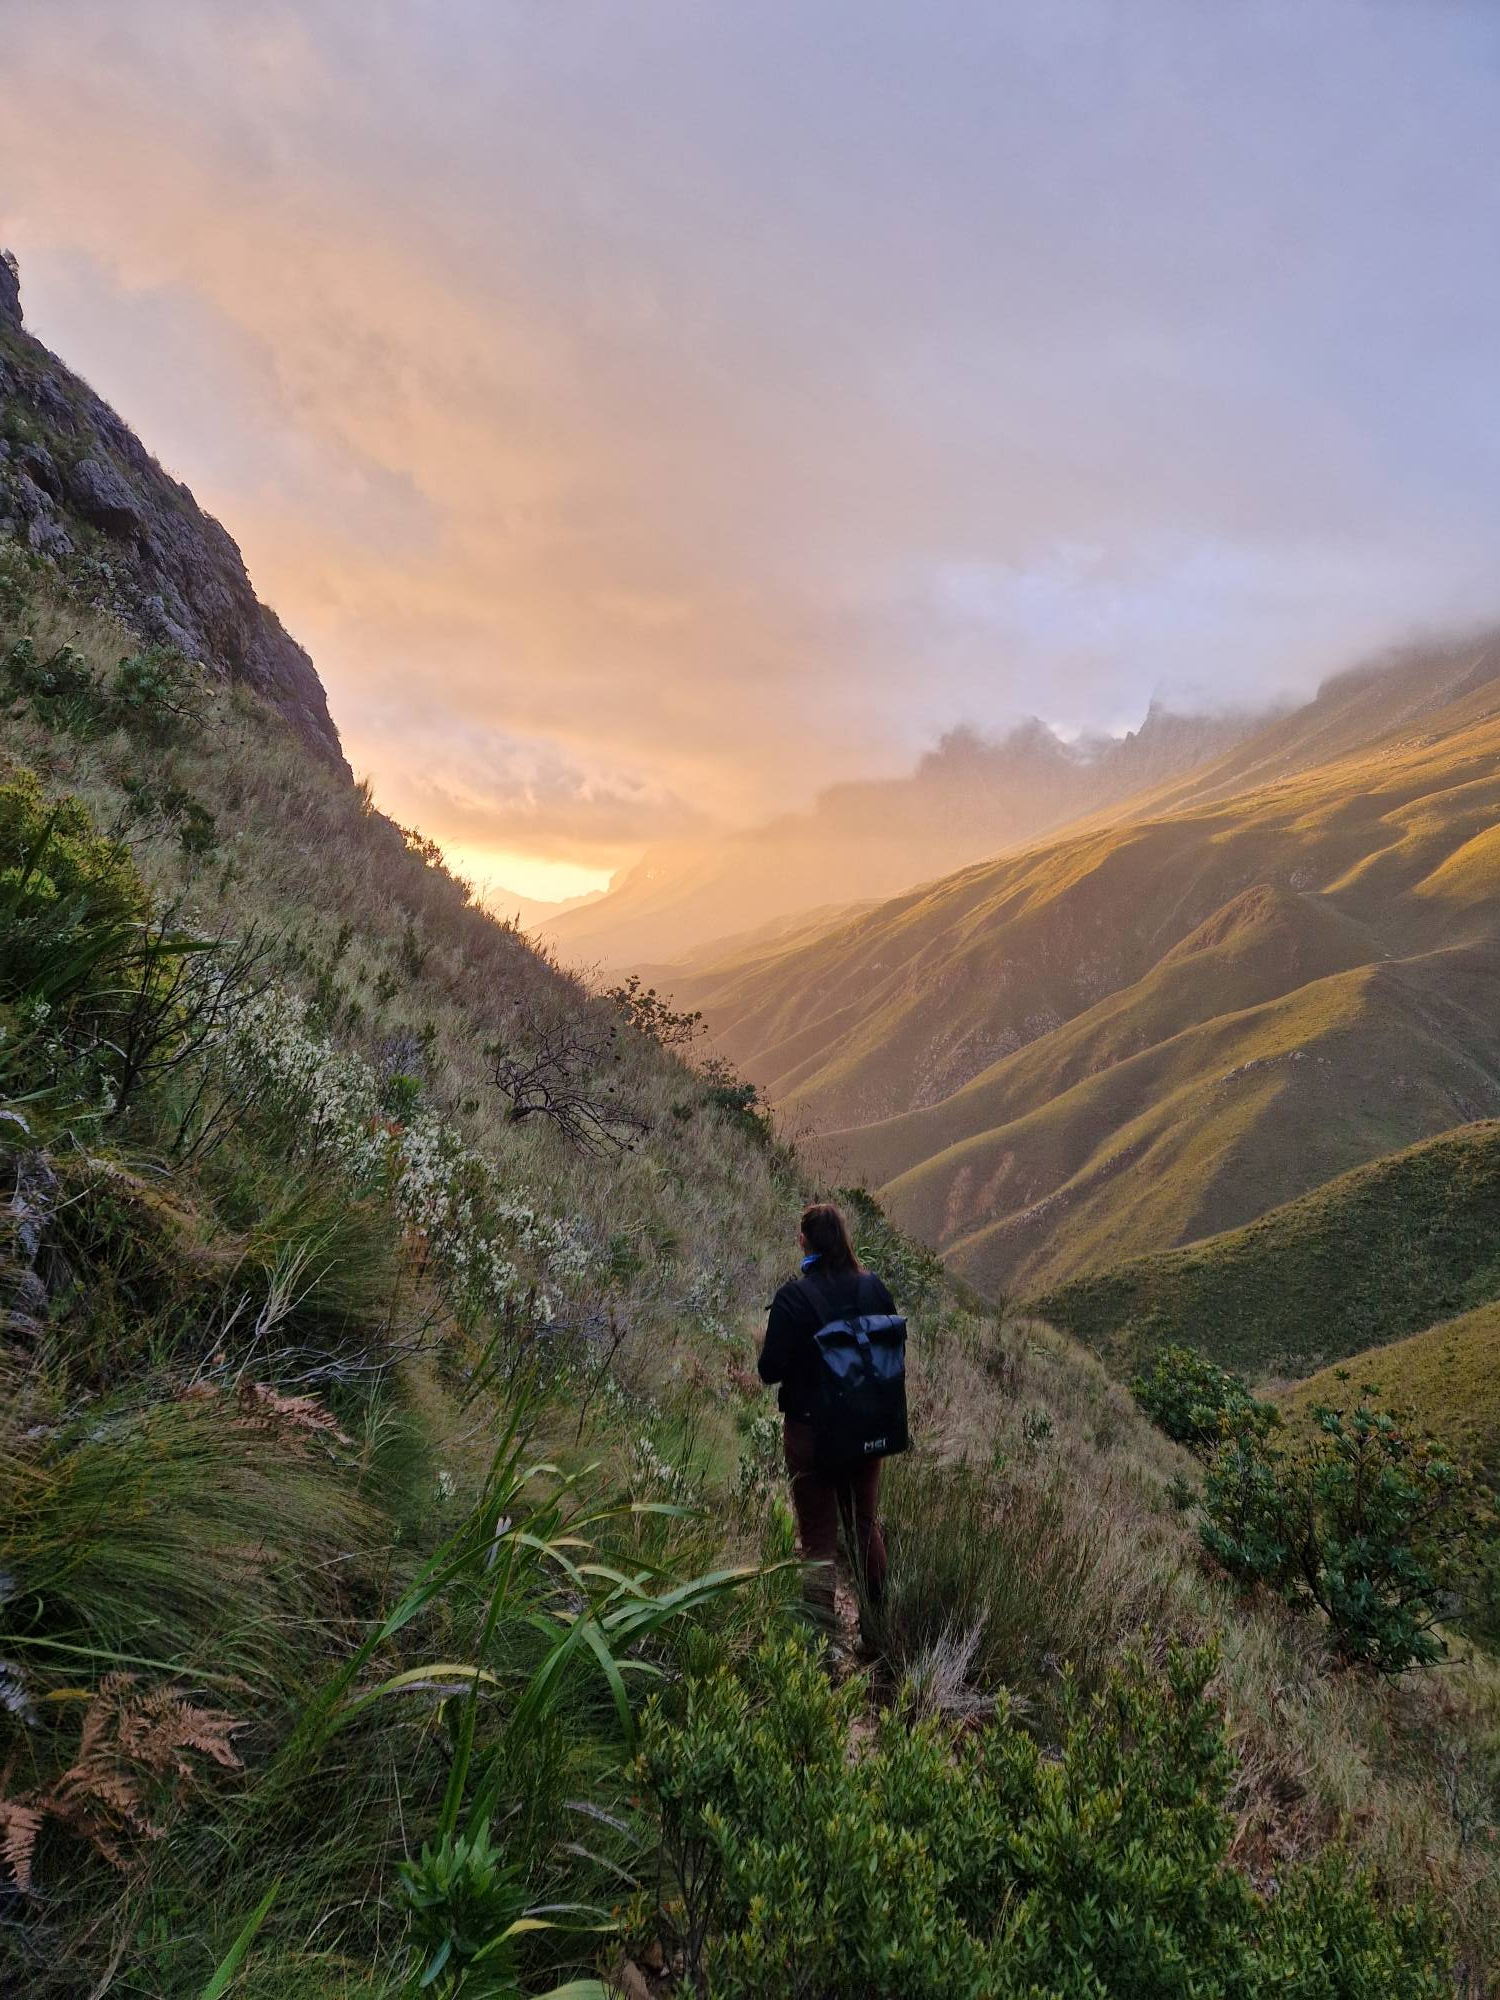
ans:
(1447, 1376)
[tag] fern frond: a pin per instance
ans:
(20, 1824)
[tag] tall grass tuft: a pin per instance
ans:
(999, 1583)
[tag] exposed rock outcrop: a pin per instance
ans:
(79, 488)
(10, 289)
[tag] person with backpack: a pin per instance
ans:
(835, 1349)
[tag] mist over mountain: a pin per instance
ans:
(529, 913)
(967, 799)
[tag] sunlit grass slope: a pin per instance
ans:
(1447, 1377)
(1139, 1034)
(1380, 1252)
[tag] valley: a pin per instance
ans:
(1151, 1029)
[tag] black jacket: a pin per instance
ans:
(799, 1309)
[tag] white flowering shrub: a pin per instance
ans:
(710, 1303)
(656, 1476)
(490, 1251)
(759, 1472)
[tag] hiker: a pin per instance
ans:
(825, 1486)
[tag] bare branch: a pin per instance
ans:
(554, 1070)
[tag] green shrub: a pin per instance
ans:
(1370, 1522)
(157, 693)
(467, 1911)
(914, 1273)
(72, 909)
(463, 1903)
(60, 690)
(101, 993)
(19, 567)
(1198, 1403)
(196, 828)
(50, 856)
(737, 1102)
(979, 1867)
(412, 951)
(653, 1015)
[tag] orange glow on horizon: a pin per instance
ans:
(497, 872)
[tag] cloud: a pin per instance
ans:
(493, 790)
(718, 402)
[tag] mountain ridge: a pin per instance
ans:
(1128, 1027)
(79, 489)
(861, 839)
(1375, 1255)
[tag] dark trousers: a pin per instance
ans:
(820, 1500)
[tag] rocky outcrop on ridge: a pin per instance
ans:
(79, 489)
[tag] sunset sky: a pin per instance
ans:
(648, 412)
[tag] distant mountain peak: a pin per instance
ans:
(968, 798)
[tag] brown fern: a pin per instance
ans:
(154, 1731)
(262, 1408)
(132, 1743)
(265, 1408)
(20, 1824)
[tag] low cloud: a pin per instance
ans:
(650, 418)
(526, 798)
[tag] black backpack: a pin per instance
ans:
(858, 1383)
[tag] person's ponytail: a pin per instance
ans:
(826, 1235)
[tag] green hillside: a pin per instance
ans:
(1140, 1034)
(1447, 1376)
(1376, 1254)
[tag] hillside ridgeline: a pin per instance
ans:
(1144, 1033)
(1445, 1379)
(78, 486)
(969, 798)
(1382, 1251)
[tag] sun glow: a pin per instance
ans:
(496, 872)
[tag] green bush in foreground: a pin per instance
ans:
(975, 1867)
(1371, 1522)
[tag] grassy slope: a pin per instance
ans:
(787, 1020)
(1371, 1256)
(302, 858)
(1447, 1376)
(250, 1563)
(156, 1508)
(1210, 1128)
(1002, 1051)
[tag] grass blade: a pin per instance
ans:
(235, 1956)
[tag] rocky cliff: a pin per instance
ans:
(79, 488)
